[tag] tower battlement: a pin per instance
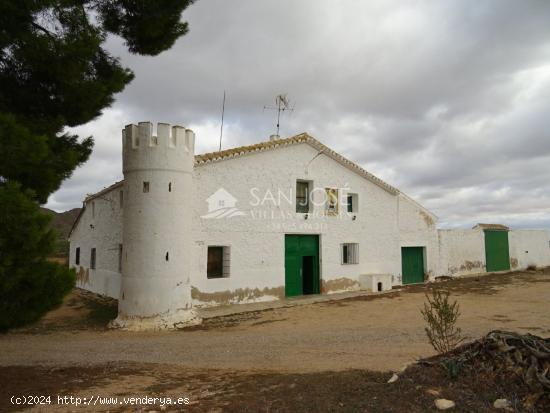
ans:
(172, 148)
(157, 227)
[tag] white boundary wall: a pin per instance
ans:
(529, 248)
(462, 252)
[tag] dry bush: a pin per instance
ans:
(441, 316)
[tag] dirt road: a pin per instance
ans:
(375, 333)
(286, 359)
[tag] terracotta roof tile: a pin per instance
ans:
(301, 138)
(492, 226)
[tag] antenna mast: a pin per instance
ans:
(221, 127)
(282, 104)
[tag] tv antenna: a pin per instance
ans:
(282, 104)
(221, 127)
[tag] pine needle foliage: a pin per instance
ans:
(56, 73)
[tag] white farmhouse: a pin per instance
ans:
(263, 222)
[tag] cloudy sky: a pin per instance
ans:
(447, 100)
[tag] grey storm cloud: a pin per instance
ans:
(447, 100)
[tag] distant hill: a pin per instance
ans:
(62, 223)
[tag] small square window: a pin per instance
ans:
(77, 256)
(145, 187)
(218, 262)
(92, 259)
(350, 253)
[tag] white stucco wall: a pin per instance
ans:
(417, 228)
(263, 185)
(529, 248)
(100, 227)
(158, 186)
(257, 238)
(461, 252)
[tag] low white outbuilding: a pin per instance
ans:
(262, 222)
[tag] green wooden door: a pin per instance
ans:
(412, 265)
(497, 253)
(301, 265)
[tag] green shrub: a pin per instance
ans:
(441, 317)
(453, 368)
(29, 284)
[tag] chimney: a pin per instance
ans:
(274, 137)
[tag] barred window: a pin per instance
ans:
(350, 253)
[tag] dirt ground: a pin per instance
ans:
(332, 356)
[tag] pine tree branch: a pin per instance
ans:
(43, 29)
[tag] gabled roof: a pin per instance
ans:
(226, 154)
(295, 140)
(498, 227)
(89, 197)
(104, 191)
(207, 158)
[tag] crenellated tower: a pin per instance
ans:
(155, 288)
